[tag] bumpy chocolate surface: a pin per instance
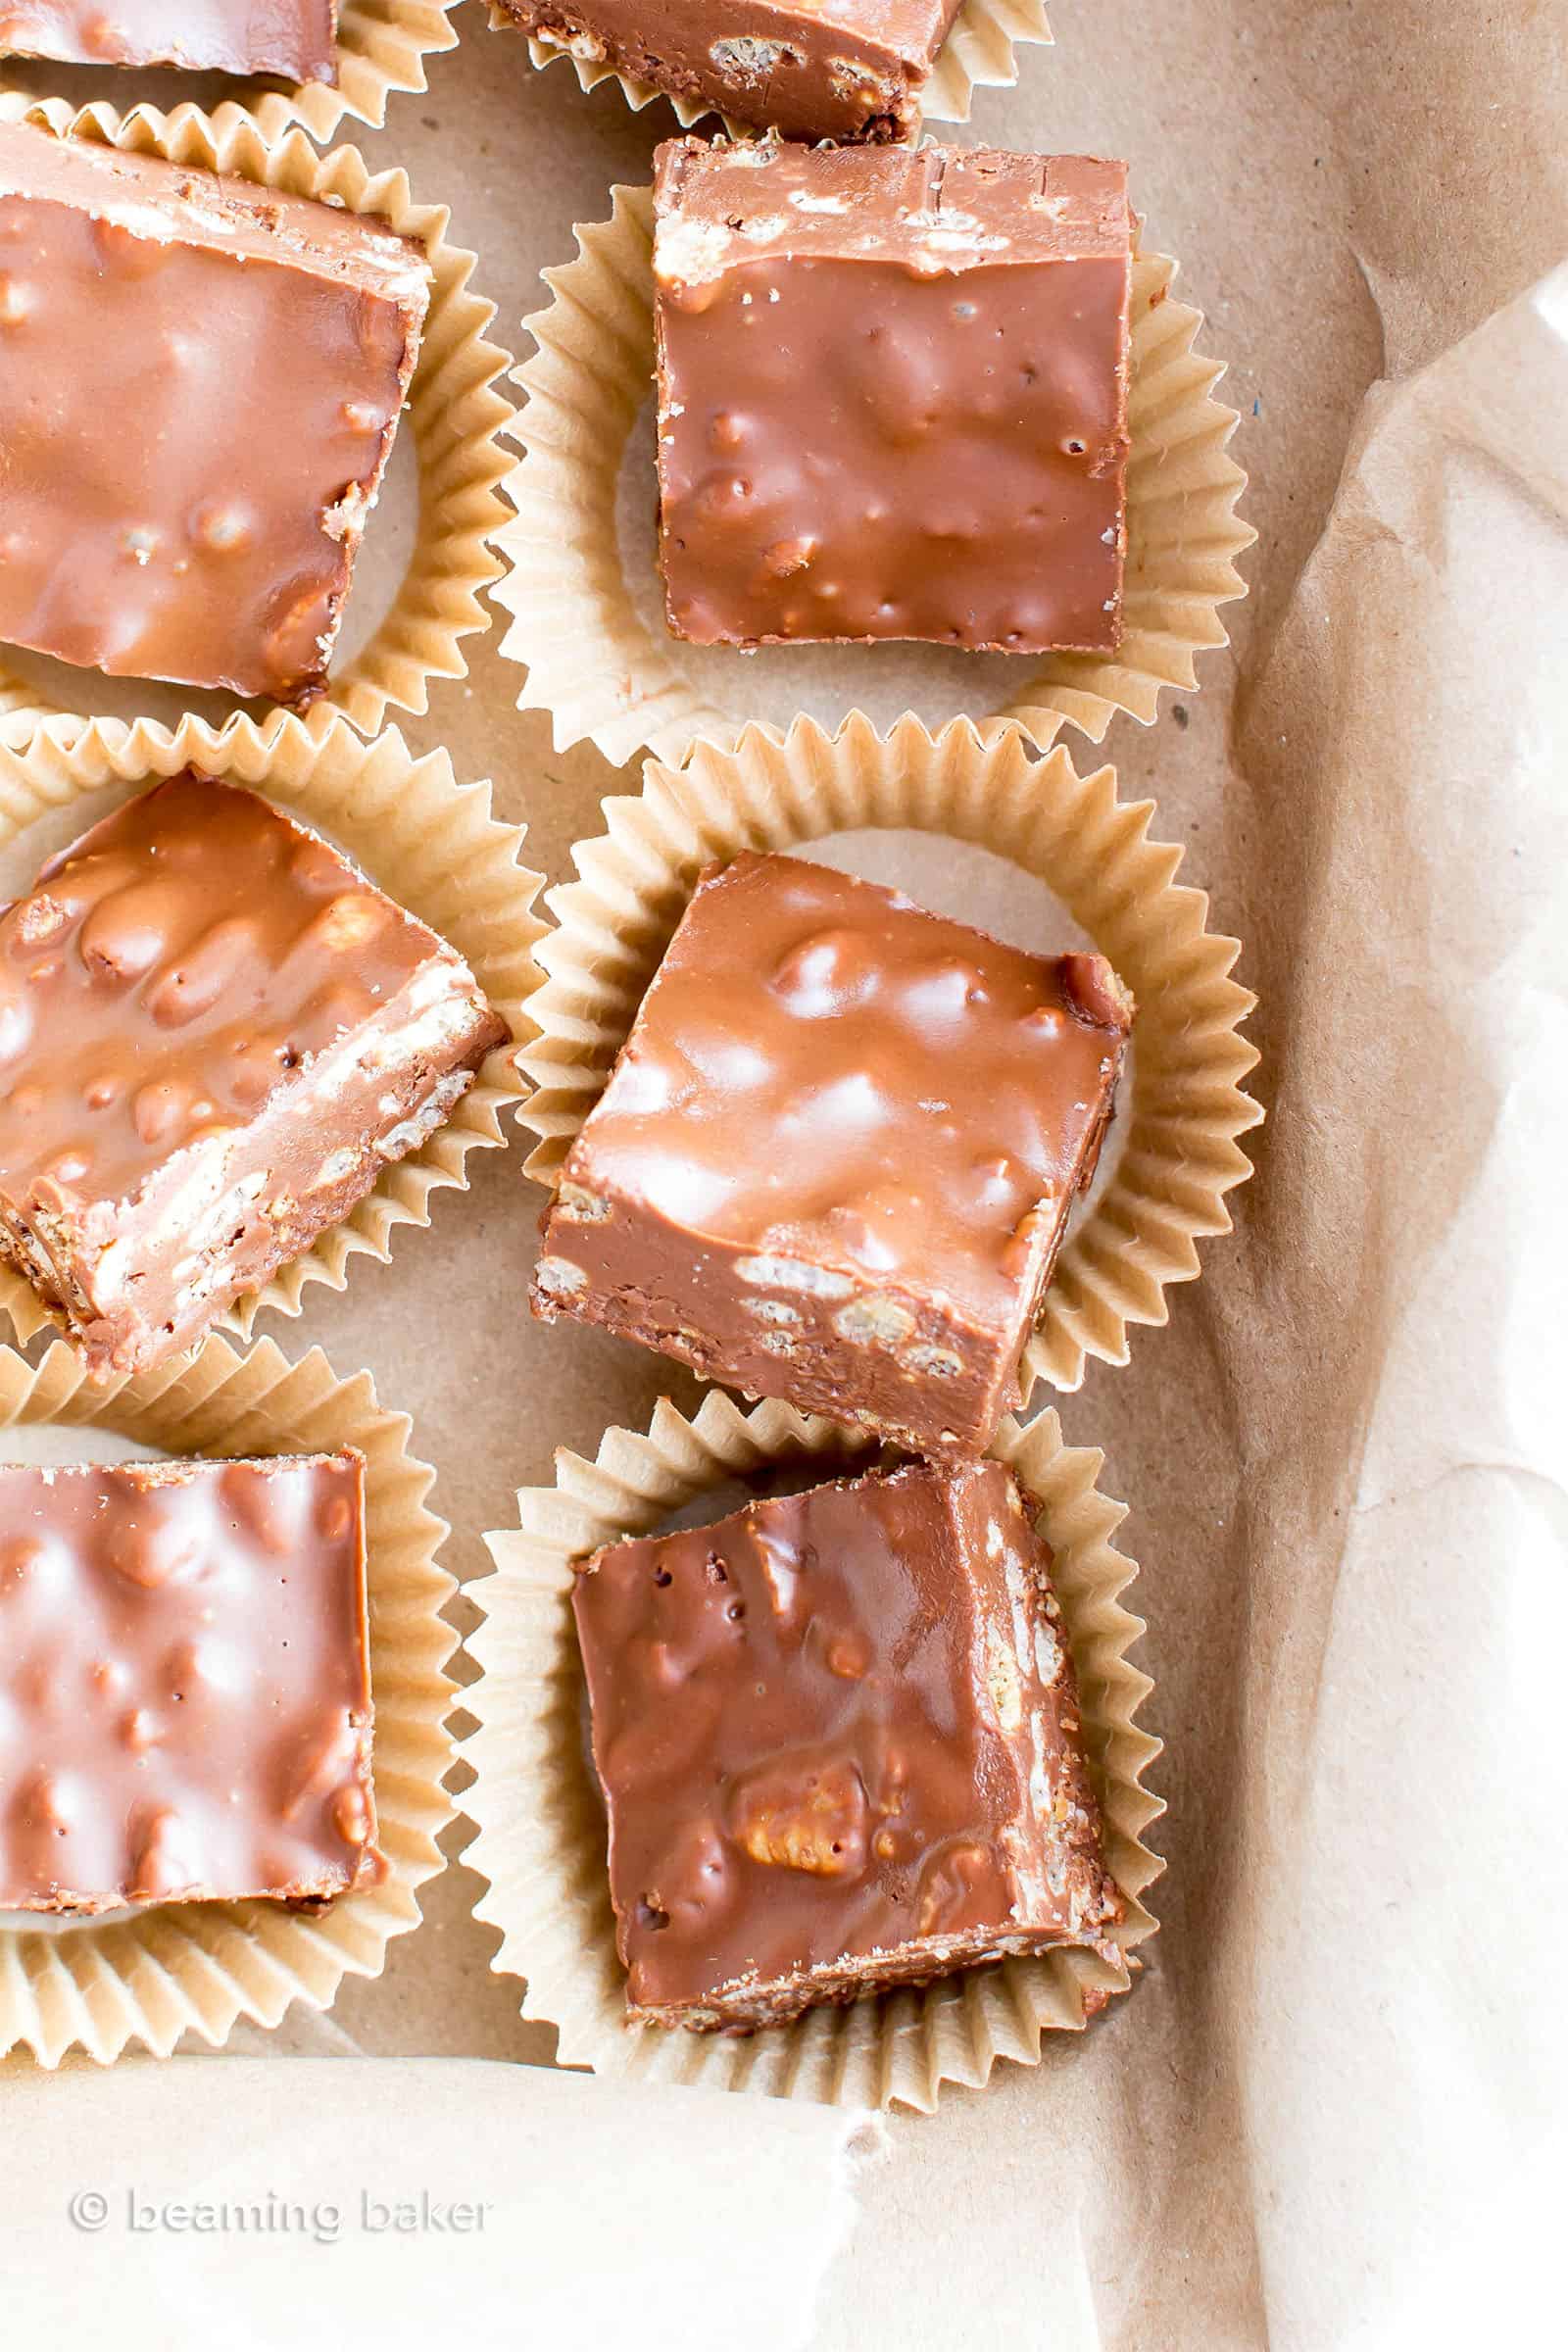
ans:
(184, 1683)
(835, 1159)
(838, 1740)
(841, 70)
(213, 1034)
(288, 37)
(199, 385)
(892, 394)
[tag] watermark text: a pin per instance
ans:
(270, 2214)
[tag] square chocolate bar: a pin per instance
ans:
(200, 385)
(839, 1739)
(835, 1159)
(292, 38)
(892, 394)
(842, 70)
(184, 1683)
(215, 1033)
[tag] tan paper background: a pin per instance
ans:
(1324, 2117)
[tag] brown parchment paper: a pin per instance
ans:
(1323, 2118)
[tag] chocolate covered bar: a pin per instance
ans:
(892, 394)
(292, 38)
(184, 1683)
(848, 70)
(200, 383)
(838, 1740)
(835, 1159)
(215, 1032)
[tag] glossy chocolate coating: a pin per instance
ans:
(838, 1740)
(293, 39)
(184, 1683)
(841, 70)
(199, 384)
(213, 1034)
(892, 394)
(835, 1159)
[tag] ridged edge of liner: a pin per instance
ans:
(541, 1840)
(382, 46)
(426, 840)
(199, 1968)
(1180, 1109)
(453, 411)
(604, 674)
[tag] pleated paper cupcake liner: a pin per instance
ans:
(979, 53)
(198, 1968)
(597, 654)
(381, 47)
(429, 842)
(1173, 1153)
(381, 50)
(541, 1842)
(453, 414)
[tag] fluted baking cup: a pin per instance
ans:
(979, 53)
(170, 1969)
(430, 843)
(1173, 1153)
(541, 1843)
(583, 593)
(453, 417)
(380, 47)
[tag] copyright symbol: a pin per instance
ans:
(89, 2209)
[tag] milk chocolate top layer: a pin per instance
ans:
(199, 384)
(893, 395)
(288, 37)
(834, 1724)
(172, 974)
(184, 1683)
(824, 1071)
(935, 209)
